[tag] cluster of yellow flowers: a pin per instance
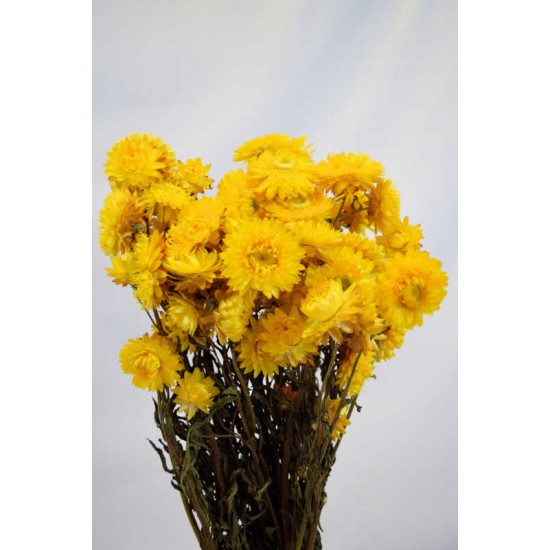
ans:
(287, 256)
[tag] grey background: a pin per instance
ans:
(376, 77)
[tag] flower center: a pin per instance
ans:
(346, 281)
(285, 161)
(133, 159)
(147, 364)
(412, 296)
(262, 257)
(299, 202)
(199, 394)
(398, 240)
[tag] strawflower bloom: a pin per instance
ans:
(152, 360)
(281, 175)
(120, 219)
(261, 255)
(273, 143)
(413, 285)
(232, 315)
(138, 160)
(348, 173)
(383, 206)
(195, 392)
(282, 338)
(400, 236)
(191, 176)
(313, 206)
(182, 317)
(142, 268)
(197, 226)
(331, 310)
(387, 342)
(253, 355)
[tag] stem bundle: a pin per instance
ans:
(252, 472)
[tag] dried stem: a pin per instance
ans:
(252, 473)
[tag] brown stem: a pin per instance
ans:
(344, 394)
(217, 459)
(348, 416)
(251, 443)
(285, 481)
(159, 322)
(315, 522)
(301, 533)
(176, 458)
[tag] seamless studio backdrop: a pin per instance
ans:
(377, 77)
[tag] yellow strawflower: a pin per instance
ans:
(283, 174)
(253, 356)
(148, 251)
(383, 205)
(411, 286)
(196, 269)
(314, 206)
(315, 237)
(331, 310)
(191, 176)
(324, 301)
(166, 194)
(232, 315)
(349, 173)
(195, 392)
(342, 263)
(152, 360)
(148, 288)
(121, 217)
(142, 268)
(273, 143)
(282, 338)
(138, 160)
(387, 342)
(370, 250)
(261, 255)
(197, 226)
(121, 269)
(400, 236)
(235, 195)
(164, 201)
(182, 318)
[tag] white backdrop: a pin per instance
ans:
(357, 76)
